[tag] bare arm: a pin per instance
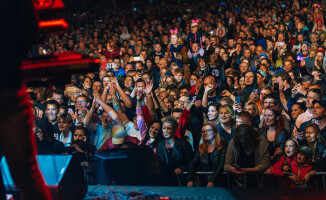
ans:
(156, 106)
(162, 104)
(140, 117)
(283, 100)
(87, 120)
(205, 96)
(150, 103)
(105, 93)
(116, 105)
(126, 100)
(107, 108)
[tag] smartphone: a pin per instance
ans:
(296, 47)
(137, 58)
(276, 87)
(237, 100)
(237, 167)
(255, 91)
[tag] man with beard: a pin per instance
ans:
(157, 50)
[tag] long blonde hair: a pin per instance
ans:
(179, 40)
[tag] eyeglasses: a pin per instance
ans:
(81, 101)
(206, 131)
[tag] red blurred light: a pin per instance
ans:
(48, 4)
(53, 23)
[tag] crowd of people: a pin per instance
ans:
(232, 87)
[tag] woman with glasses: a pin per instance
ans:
(209, 157)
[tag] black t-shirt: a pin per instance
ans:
(247, 161)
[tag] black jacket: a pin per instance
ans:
(319, 154)
(181, 157)
(279, 141)
(202, 162)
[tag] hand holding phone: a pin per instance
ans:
(237, 100)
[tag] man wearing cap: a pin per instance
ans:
(119, 137)
(304, 50)
(301, 169)
(261, 79)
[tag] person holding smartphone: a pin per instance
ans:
(247, 153)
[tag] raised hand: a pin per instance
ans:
(139, 95)
(191, 103)
(208, 88)
(113, 88)
(149, 87)
(95, 105)
(97, 96)
(226, 93)
(232, 51)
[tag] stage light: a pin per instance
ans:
(58, 23)
(48, 4)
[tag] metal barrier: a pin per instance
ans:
(322, 174)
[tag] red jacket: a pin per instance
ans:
(301, 171)
(277, 168)
(111, 54)
(183, 122)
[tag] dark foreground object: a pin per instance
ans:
(121, 192)
(62, 174)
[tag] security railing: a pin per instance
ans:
(261, 176)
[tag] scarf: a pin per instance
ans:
(177, 49)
